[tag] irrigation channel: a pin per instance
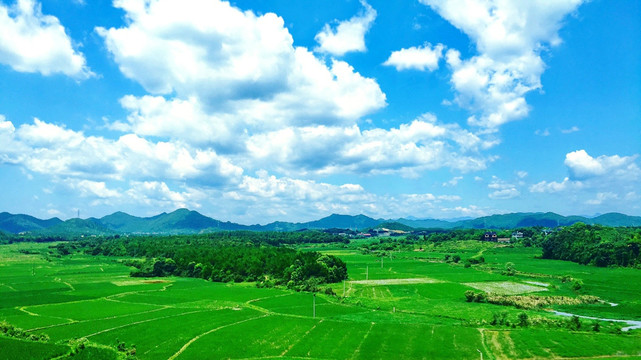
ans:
(634, 324)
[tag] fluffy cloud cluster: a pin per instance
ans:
(51, 149)
(167, 175)
(502, 189)
(421, 58)
(234, 64)
(422, 144)
(231, 81)
(582, 165)
(509, 36)
(608, 177)
(33, 42)
(348, 35)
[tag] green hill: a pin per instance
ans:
(76, 227)
(393, 225)
(342, 222)
(616, 219)
(183, 221)
(19, 223)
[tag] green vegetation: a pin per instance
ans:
(224, 257)
(595, 245)
(404, 297)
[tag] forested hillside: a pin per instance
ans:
(595, 244)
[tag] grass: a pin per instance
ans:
(411, 307)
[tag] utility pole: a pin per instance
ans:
(343, 288)
(314, 306)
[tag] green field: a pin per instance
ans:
(411, 307)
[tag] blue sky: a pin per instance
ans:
(255, 111)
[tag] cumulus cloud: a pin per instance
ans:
(553, 186)
(422, 144)
(132, 170)
(509, 36)
(347, 36)
(235, 62)
(54, 150)
(502, 189)
(416, 58)
(611, 178)
(31, 41)
(158, 195)
(582, 165)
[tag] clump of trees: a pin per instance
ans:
(221, 258)
(595, 245)
(15, 332)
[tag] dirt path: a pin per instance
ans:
(209, 332)
(486, 351)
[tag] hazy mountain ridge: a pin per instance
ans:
(18, 223)
(184, 221)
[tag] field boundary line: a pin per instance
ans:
(358, 348)
(301, 338)
(484, 345)
(45, 316)
(105, 318)
(9, 286)
(269, 297)
(184, 347)
(143, 321)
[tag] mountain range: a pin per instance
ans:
(183, 221)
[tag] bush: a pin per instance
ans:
(523, 320)
(577, 285)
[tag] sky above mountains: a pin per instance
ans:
(255, 111)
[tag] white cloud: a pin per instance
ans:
(521, 174)
(348, 35)
(453, 181)
(33, 42)
(417, 58)
(504, 194)
(88, 188)
(159, 195)
(214, 52)
(227, 72)
(554, 187)
(545, 132)
(601, 198)
(509, 37)
(582, 165)
(570, 130)
(502, 190)
(614, 179)
(410, 148)
(471, 210)
(53, 150)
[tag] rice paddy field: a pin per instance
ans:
(410, 305)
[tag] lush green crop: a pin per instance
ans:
(414, 306)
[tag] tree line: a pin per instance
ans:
(222, 257)
(595, 245)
